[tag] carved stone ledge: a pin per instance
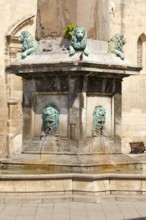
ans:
(12, 101)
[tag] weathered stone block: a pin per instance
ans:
(48, 186)
(129, 185)
(12, 186)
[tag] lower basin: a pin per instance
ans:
(29, 175)
(72, 163)
(40, 183)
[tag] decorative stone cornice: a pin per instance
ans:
(41, 65)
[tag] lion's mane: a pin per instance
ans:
(76, 42)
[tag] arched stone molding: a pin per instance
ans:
(13, 33)
(141, 51)
(20, 24)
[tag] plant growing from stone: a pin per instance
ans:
(68, 32)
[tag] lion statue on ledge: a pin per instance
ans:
(29, 44)
(116, 45)
(78, 41)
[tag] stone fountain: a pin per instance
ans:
(72, 102)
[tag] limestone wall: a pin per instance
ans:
(129, 16)
(11, 12)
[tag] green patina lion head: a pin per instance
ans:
(50, 116)
(79, 41)
(99, 118)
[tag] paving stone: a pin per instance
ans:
(10, 211)
(2, 206)
(25, 218)
(112, 211)
(44, 211)
(103, 210)
(128, 210)
(61, 211)
(95, 211)
(7, 218)
(27, 211)
(141, 208)
(78, 211)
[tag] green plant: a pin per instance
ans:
(69, 31)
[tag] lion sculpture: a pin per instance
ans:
(29, 44)
(78, 41)
(116, 45)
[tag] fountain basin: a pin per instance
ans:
(72, 163)
(78, 159)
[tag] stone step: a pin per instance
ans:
(11, 199)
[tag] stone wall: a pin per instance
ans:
(129, 17)
(11, 12)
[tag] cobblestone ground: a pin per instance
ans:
(107, 210)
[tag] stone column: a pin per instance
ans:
(74, 108)
(117, 100)
(103, 20)
(83, 109)
(3, 116)
(3, 93)
(54, 15)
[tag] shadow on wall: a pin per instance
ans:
(141, 218)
